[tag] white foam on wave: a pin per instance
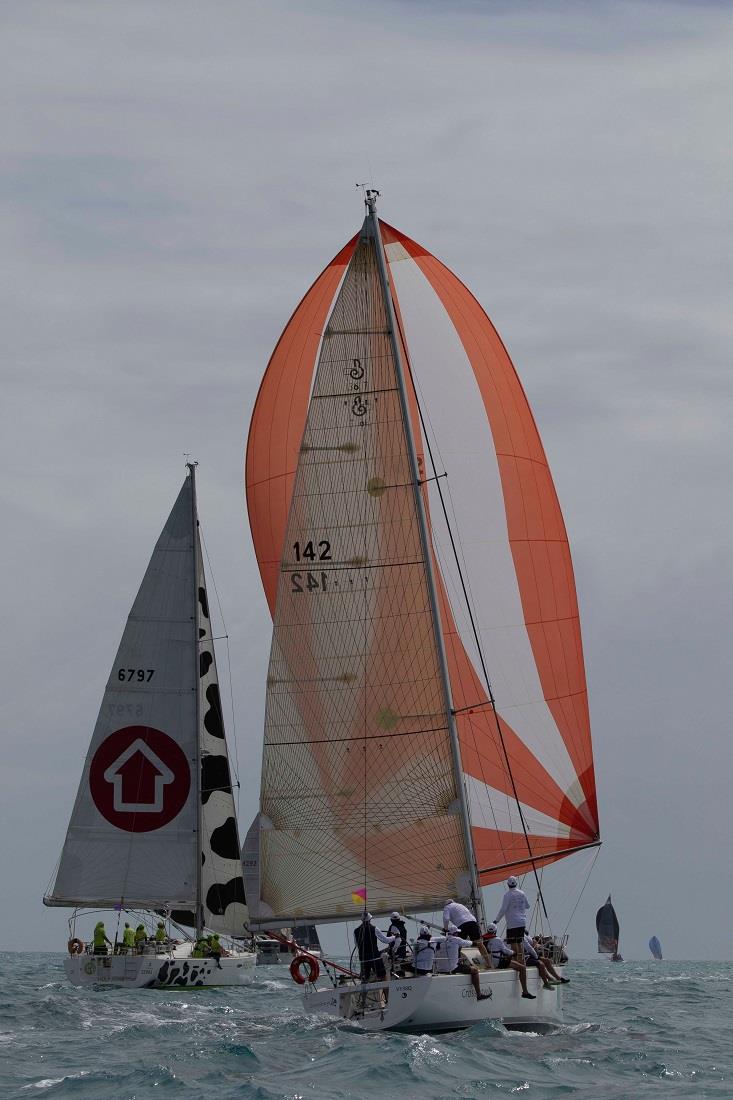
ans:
(49, 1082)
(423, 1050)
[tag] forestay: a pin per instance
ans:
(475, 425)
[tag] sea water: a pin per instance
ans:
(632, 1029)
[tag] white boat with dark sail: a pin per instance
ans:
(426, 728)
(153, 832)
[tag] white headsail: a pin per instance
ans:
(155, 799)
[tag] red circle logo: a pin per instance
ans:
(139, 779)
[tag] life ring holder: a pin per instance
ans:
(75, 946)
(297, 974)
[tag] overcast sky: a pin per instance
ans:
(176, 174)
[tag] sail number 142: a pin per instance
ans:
(310, 551)
(308, 582)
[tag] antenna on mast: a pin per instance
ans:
(370, 197)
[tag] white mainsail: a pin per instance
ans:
(155, 800)
(359, 794)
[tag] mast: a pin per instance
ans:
(373, 225)
(197, 758)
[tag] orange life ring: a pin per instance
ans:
(75, 946)
(313, 969)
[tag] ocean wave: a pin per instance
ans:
(620, 1038)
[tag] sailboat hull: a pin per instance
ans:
(443, 1002)
(159, 971)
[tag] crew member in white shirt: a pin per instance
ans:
(502, 956)
(514, 908)
(423, 951)
(466, 923)
(448, 959)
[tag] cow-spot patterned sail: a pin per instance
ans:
(132, 835)
(358, 788)
(222, 885)
(510, 539)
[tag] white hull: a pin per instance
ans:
(443, 1002)
(175, 969)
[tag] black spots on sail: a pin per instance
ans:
(203, 601)
(222, 894)
(206, 660)
(214, 776)
(214, 719)
(223, 840)
(183, 916)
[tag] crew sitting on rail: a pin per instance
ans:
(502, 956)
(534, 952)
(449, 960)
(140, 937)
(160, 933)
(531, 958)
(368, 937)
(546, 948)
(101, 939)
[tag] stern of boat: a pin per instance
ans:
(375, 1006)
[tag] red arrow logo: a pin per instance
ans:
(138, 777)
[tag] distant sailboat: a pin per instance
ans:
(154, 828)
(394, 774)
(608, 929)
(655, 947)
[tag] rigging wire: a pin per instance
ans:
(587, 880)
